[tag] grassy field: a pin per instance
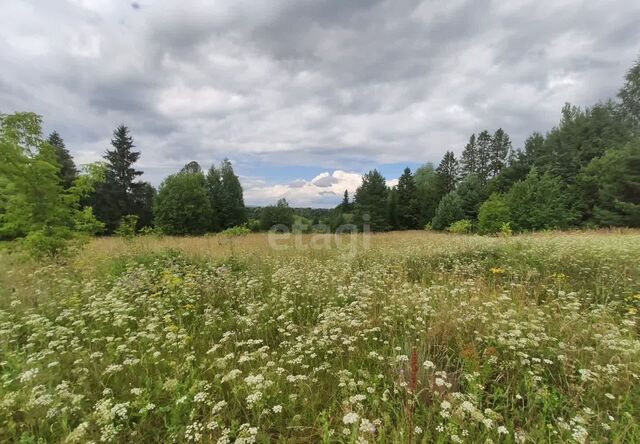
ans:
(402, 337)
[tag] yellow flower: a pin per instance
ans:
(632, 311)
(497, 270)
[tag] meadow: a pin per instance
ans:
(406, 337)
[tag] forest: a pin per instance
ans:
(584, 172)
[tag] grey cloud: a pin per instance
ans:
(331, 84)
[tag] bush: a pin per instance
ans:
(48, 242)
(463, 226)
(128, 226)
(241, 230)
(494, 213)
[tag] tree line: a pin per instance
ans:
(583, 172)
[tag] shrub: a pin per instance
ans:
(463, 226)
(494, 213)
(240, 230)
(128, 226)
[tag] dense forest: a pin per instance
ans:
(585, 172)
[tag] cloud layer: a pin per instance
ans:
(331, 84)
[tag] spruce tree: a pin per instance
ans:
(448, 173)
(68, 171)
(345, 205)
(483, 148)
(469, 158)
(371, 202)
(500, 149)
(119, 195)
(407, 205)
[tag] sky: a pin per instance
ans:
(304, 96)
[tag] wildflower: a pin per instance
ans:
(350, 418)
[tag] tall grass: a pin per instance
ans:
(420, 337)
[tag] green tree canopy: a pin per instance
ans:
(612, 186)
(539, 202)
(449, 211)
(279, 214)
(493, 214)
(371, 202)
(407, 205)
(68, 171)
(182, 205)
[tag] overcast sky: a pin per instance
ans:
(305, 95)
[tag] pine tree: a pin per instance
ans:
(499, 152)
(68, 172)
(470, 157)
(407, 206)
(483, 147)
(371, 202)
(448, 173)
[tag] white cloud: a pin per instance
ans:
(324, 190)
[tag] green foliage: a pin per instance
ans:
(35, 206)
(226, 197)
(449, 210)
(539, 203)
(463, 226)
(121, 193)
(68, 172)
(128, 226)
(183, 206)
(505, 229)
(168, 347)
(611, 187)
(407, 207)
(629, 94)
(581, 137)
(428, 192)
(371, 202)
(472, 192)
(448, 174)
(280, 214)
(494, 214)
(239, 231)
(499, 150)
